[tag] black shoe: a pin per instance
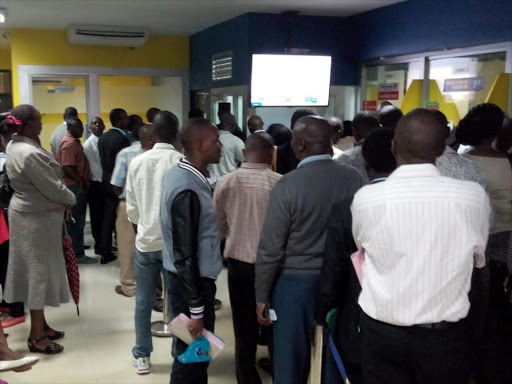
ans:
(107, 258)
(114, 249)
(218, 304)
(87, 247)
(158, 308)
(266, 364)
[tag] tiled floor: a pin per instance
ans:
(98, 343)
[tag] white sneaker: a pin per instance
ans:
(141, 365)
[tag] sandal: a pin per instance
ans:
(57, 335)
(51, 349)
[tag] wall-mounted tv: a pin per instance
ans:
(290, 80)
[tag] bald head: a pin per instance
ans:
(311, 136)
(259, 148)
(419, 138)
(147, 136)
(336, 128)
(254, 124)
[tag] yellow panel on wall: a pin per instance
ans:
(412, 98)
(51, 47)
(449, 108)
(5, 58)
(499, 92)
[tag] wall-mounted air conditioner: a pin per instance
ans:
(107, 35)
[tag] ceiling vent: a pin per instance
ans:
(107, 35)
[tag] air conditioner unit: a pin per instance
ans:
(107, 35)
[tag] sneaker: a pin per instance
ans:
(86, 260)
(141, 365)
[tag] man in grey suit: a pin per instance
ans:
(291, 247)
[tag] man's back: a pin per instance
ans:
(143, 193)
(56, 138)
(354, 157)
(109, 145)
(419, 231)
(241, 200)
(451, 164)
(232, 155)
(286, 160)
(299, 209)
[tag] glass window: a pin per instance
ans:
(465, 81)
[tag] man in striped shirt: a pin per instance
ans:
(422, 234)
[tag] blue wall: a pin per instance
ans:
(232, 35)
(322, 35)
(424, 25)
(410, 27)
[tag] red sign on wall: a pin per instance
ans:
(388, 91)
(370, 105)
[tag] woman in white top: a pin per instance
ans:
(479, 129)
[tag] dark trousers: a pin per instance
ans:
(76, 229)
(15, 309)
(414, 355)
(190, 373)
(245, 323)
(96, 199)
(108, 224)
(294, 302)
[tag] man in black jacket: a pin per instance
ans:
(339, 286)
(109, 145)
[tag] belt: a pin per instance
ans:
(441, 325)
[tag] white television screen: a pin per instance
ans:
(290, 80)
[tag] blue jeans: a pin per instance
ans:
(148, 266)
(294, 303)
(76, 229)
(190, 373)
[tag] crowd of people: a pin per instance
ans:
(288, 211)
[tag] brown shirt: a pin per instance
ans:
(71, 153)
(240, 201)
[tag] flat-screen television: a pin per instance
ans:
(290, 80)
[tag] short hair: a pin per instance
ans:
(420, 136)
(151, 113)
(441, 117)
(300, 113)
(377, 150)
(280, 133)
(116, 115)
(167, 127)
(72, 121)
(365, 122)
(192, 131)
(336, 124)
(70, 112)
(259, 142)
(347, 128)
(389, 116)
(195, 112)
(134, 124)
(482, 121)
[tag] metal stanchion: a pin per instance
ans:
(162, 328)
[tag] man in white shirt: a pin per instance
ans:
(96, 193)
(61, 130)
(422, 233)
(143, 192)
(232, 150)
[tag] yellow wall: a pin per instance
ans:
(51, 47)
(5, 58)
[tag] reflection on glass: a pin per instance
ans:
(466, 81)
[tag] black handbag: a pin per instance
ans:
(6, 190)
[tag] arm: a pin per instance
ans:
(185, 212)
(219, 204)
(132, 210)
(272, 246)
(51, 185)
(334, 275)
(482, 227)
(240, 152)
(118, 179)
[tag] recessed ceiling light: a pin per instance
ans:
(3, 14)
